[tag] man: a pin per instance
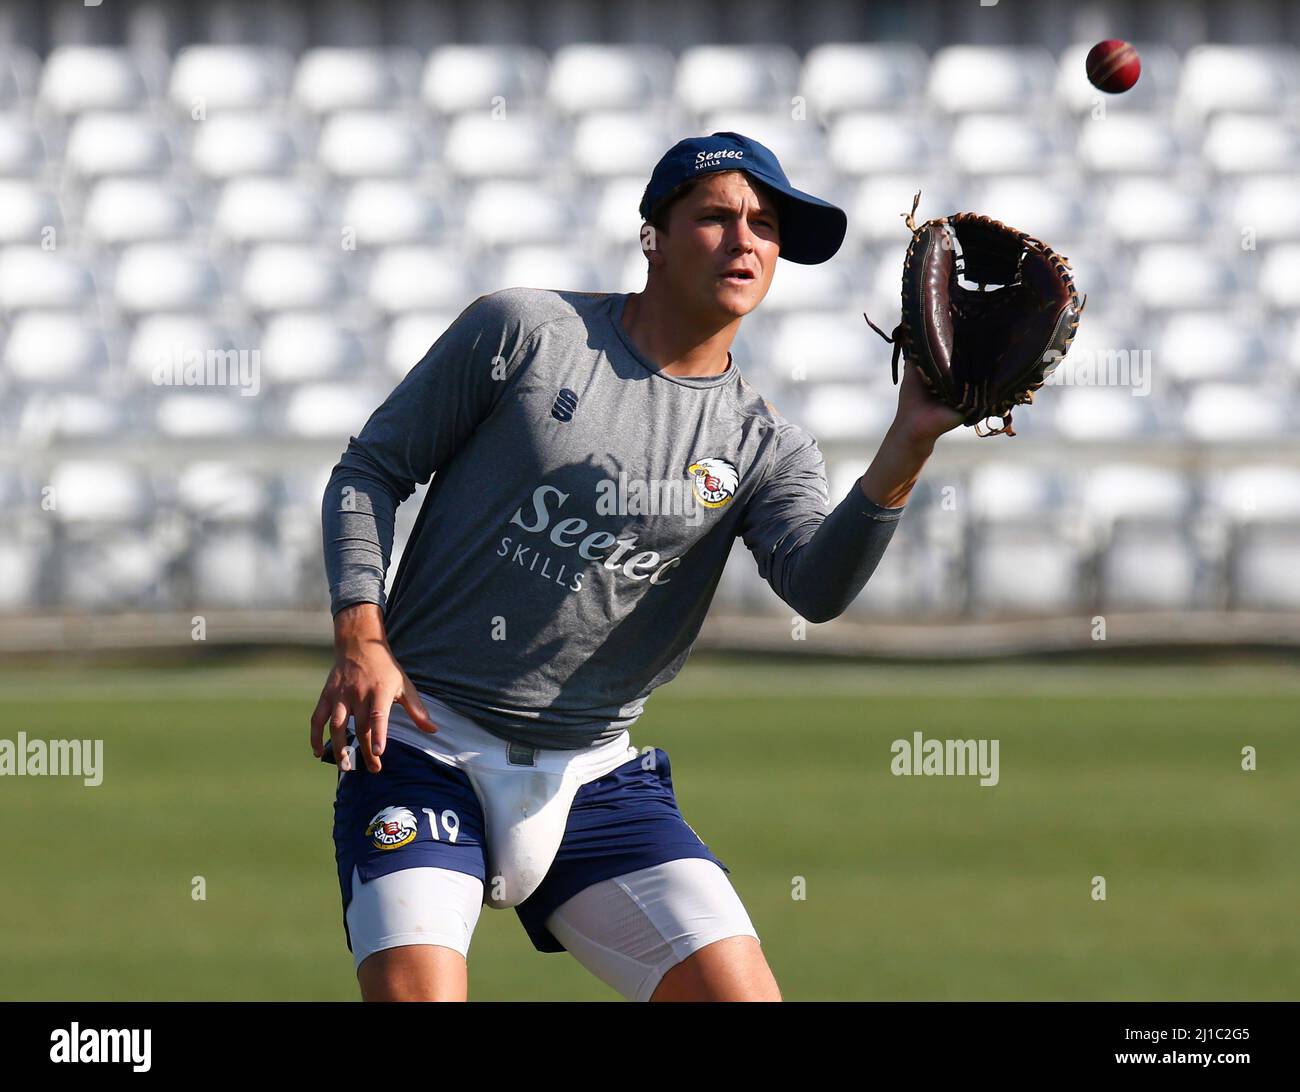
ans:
(596, 455)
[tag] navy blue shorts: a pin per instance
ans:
(421, 812)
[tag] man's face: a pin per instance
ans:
(725, 223)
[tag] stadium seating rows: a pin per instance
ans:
(313, 223)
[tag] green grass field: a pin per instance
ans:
(916, 887)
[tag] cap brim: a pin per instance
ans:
(811, 230)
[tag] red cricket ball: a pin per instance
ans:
(1113, 66)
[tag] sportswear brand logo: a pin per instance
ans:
(572, 534)
(708, 159)
(565, 403)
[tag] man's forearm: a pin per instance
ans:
(820, 577)
(833, 567)
(889, 480)
(358, 515)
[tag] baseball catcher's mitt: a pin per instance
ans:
(982, 351)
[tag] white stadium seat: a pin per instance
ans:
(735, 588)
(828, 286)
(590, 76)
(123, 569)
(280, 277)
(388, 211)
(330, 78)
(267, 210)
(799, 145)
(1264, 575)
(877, 206)
(1001, 144)
(50, 416)
(1225, 412)
(1135, 491)
(205, 414)
(228, 77)
(1135, 143)
(519, 145)
(561, 268)
(418, 278)
(735, 77)
(459, 78)
(33, 278)
(1049, 210)
(1093, 273)
(844, 76)
(914, 577)
(54, 347)
(969, 78)
(116, 143)
(235, 144)
(99, 491)
(371, 144)
(631, 274)
(1256, 493)
(330, 410)
(821, 348)
(221, 492)
(301, 346)
(1003, 557)
(165, 277)
(411, 335)
(883, 303)
(238, 568)
(1143, 210)
(21, 561)
(1169, 275)
(1245, 144)
(1149, 568)
(505, 213)
(1267, 204)
(1278, 286)
(1007, 492)
(302, 488)
(841, 476)
(26, 209)
(22, 72)
(609, 143)
(136, 210)
(617, 218)
(1293, 346)
(1200, 345)
(162, 342)
(1155, 90)
(76, 78)
(22, 148)
(1220, 78)
(1100, 332)
(1099, 413)
(876, 143)
(846, 411)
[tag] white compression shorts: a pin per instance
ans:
(628, 931)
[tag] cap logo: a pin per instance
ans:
(707, 159)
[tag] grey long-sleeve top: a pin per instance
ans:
(582, 507)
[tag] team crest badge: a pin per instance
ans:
(392, 828)
(714, 481)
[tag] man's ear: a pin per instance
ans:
(650, 244)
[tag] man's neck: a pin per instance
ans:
(663, 335)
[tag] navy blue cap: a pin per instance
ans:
(811, 229)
